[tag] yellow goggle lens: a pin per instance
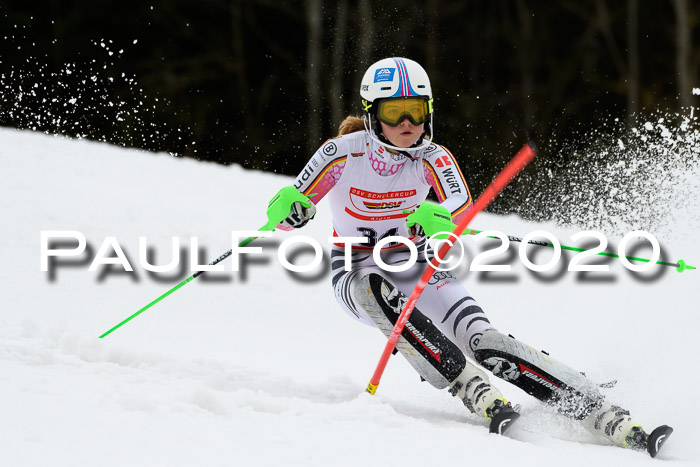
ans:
(393, 111)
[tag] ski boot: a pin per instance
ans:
(473, 388)
(616, 424)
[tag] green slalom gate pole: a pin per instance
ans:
(680, 265)
(277, 211)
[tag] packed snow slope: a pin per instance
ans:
(262, 368)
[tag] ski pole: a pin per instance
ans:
(514, 167)
(277, 211)
(680, 265)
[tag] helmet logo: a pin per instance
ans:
(384, 74)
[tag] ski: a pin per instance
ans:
(657, 438)
(502, 421)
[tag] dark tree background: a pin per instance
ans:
(262, 83)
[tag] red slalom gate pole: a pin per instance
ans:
(514, 167)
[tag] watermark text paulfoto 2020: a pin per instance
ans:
(62, 244)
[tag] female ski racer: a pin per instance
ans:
(375, 172)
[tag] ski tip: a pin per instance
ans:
(502, 421)
(657, 438)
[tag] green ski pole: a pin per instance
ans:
(680, 265)
(277, 211)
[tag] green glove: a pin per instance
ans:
(429, 219)
(282, 204)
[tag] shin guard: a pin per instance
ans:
(436, 359)
(538, 374)
(557, 384)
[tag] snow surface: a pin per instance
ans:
(264, 369)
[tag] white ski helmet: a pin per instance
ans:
(396, 78)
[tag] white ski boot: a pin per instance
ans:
(473, 388)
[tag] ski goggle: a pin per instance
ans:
(393, 111)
